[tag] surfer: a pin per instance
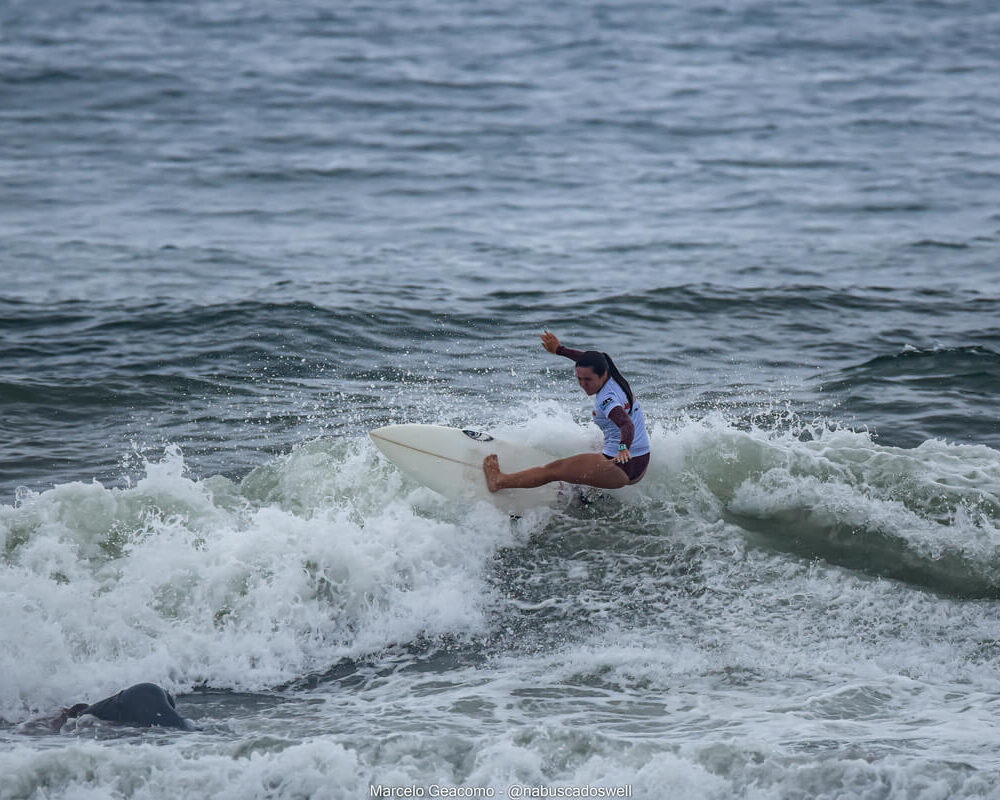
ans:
(144, 705)
(625, 454)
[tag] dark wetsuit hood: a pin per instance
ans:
(144, 705)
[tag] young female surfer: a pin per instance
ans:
(625, 455)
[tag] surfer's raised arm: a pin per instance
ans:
(551, 343)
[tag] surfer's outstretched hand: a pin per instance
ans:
(549, 341)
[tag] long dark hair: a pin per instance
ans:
(601, 363)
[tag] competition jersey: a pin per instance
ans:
(611, 395)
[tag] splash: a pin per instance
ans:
(320, 555)
(329, 553)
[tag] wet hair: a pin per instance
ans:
(601, 363)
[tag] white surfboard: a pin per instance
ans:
(450, 461)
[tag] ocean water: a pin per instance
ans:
(235, 236)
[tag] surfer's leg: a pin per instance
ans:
(589, 469)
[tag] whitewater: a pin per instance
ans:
(764, 610)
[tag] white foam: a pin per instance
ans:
(315, 768)
(102, 587)
(675, 652)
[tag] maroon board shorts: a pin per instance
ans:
(634, 468)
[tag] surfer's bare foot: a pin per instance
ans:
(491, 469)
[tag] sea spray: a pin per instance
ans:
(104, 587)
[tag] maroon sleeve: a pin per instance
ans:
(569, 352)
(627, 429)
